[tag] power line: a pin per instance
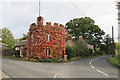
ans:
(77, 8)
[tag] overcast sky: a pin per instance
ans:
(17, 15)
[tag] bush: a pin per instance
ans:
(86, 52)
(71, 52)
(91, 51)
(99, 52)
(24, 54)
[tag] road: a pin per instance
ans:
(97, 67)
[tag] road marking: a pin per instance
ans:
(97, 69)
(55, 75)
(92, 66)
(90, 62)
(102, 72)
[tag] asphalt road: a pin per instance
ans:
(85, 68)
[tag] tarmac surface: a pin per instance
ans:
(96, 67)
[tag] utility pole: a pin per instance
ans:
(39, 7)
(113, 46)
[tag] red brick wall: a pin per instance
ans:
(38, 44)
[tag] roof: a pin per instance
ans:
(21, 43)
(70, 43)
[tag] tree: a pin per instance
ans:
(25, 37)
(7, 37)
(107, 44)
(86, 27)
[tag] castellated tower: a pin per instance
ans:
(46, 41)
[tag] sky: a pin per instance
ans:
(17, 15)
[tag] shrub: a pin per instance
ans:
(71, 52)
(99, 52)
(24, 54)
(90, 51)
(86, 52)
(81, 52)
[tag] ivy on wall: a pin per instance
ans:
(37, 40)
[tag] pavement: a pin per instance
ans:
(97, 67)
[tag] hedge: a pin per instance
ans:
(73, 52)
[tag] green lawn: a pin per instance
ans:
(115, 60)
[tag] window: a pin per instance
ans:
(47, 52)
(48, 37)
(31, 37)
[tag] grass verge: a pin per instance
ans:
(76, 58)
(115, 61)
(21, 59)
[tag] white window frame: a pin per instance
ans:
(48, 37)
(31, 36)
(47, 52)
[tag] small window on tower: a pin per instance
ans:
(31, 37)
(48, 37)
(47, 52)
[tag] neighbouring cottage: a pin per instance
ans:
(81, 42)
(2, 48)
(21, 47)
(46, 41)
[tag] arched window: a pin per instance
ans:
(47, 52)
(48, 37)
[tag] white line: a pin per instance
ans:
(92, 66)
(102, 72)
(55, 75)
(97, 69)
(90, 63)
